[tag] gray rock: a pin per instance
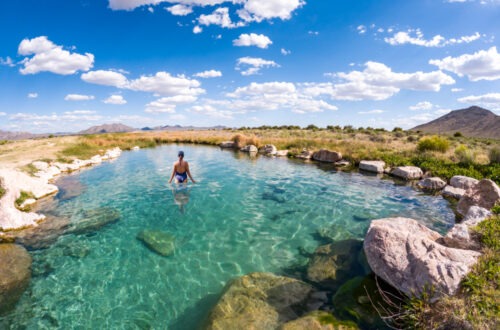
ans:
(407, 172)
(484, 194)
(259, 301)
(453, 192)
(227, 144)
(282, 153)
(334, 263)
(433, 183)
(305, 154)
(327, 156)
(463, 182)
(93, 220)
(461, 236)
(268, 149)
(15, 274)
(249, 148)
(375, 166)
(406, 255)
(342, 163)
(158, 241)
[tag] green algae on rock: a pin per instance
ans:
(93, 220)
(319, 320)
(15, 274)
(260, 301)
(158, 241)
(335, 263)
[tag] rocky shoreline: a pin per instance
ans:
(404, 253)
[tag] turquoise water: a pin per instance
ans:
(245, 215)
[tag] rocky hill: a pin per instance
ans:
(5, 135)
(473, 122)
(107, 128)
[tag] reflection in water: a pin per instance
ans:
(181, 195)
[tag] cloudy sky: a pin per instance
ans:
(67, 65)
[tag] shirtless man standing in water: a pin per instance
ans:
(181, 170)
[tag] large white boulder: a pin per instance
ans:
(484, 194)
(463, 182)
(249, 148)
(375, 166)
(460, 235)
(406, 255)
(407, 172)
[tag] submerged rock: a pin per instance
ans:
(158, 241)
(406, 255)
(44, 235)
(354, 300)
(93, 220)
(15, 274)
(327, 156)
(319, 320)
(260, 301)
(484, 194)
(375, 166)
(69, 187)
(335, 263)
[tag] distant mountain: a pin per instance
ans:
(107, 128)
(472, 122)
(182, 128)
(5, 135)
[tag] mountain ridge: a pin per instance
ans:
(472, 122)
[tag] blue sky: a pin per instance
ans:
(67, 65)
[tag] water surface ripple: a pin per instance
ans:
(244, 215)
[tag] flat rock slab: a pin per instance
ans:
(259, 301)
(15, 274)
(406, 255)
(158, 241)
(453, 192)
(407, 172)
(94, 220)
(374, 166)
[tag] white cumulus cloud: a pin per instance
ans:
(105, 77)
(490, 100)
(78, 97)
(32, 95)
(180, 10)
(252, 39)
(258, 10)
(209, 74)
(378, 82)
(424, 105)
(47, 56)
(371, 112)
(253, 65)
(482, 65)
(197, 29)
(416, 37)
(115, 99)
(219, 17)
(7, 61)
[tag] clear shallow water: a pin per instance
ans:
(244, 215)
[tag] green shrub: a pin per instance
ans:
(464, 155)
(81, 150)
(433, 143)
(496, 209)
(495, 155)
(457, 134)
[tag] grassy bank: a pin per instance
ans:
(477, 305)
(442, 156)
